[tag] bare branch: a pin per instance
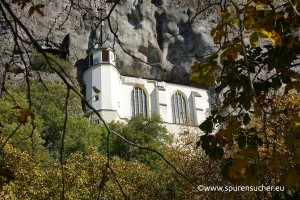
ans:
(4, 143)
(63, 143)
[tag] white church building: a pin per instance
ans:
(118, 97)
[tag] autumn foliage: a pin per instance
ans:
(255, 76)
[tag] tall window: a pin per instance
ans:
(138, 102)
(178, 108)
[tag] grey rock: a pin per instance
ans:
(157, 33)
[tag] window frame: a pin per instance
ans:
(179, 108)
(139, 101)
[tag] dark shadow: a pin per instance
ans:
(81, 66)
(91, 39)
(63, 51)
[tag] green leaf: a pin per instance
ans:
(276, 83)
(214, 112)
(215, 152)
(242, 141)
(246, 119)
(255, 141)
(217, 68)
(206, 126)
(253, 39)
(206, 142)
(225, 167)
(207, 75)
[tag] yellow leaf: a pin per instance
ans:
(293, 42)
(17, 107)
(217, 68)
(202, 73)
(288, 87)
(237, 170)
(250, 18)
(218, 37)
(248, 152)
(253, 39)
(231, 54)
(272, 36)
(236, 40)
(279, 15)
(225, 14)
(251, 180)
(261, 4)
(207, 76)
(294, 124)
(291, 73)
(257, 110)
(224, 134)
(291, 178)
(275, 163)
(24, 114)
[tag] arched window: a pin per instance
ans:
(138, 102)
(178, 108)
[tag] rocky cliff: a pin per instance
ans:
(158, 33)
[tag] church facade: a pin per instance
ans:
(118, 97)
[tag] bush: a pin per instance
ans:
(39, 63)
(144, 131)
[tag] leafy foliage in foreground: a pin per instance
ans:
(255, 68)
(24, 177)
(82, 177)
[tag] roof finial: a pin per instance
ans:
(101, 9)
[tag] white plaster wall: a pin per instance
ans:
(109, 86)
(159, 101)
(91, 78)
(106, 78)
(125, 101)
(96, 75)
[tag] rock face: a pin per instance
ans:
(158, 33)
